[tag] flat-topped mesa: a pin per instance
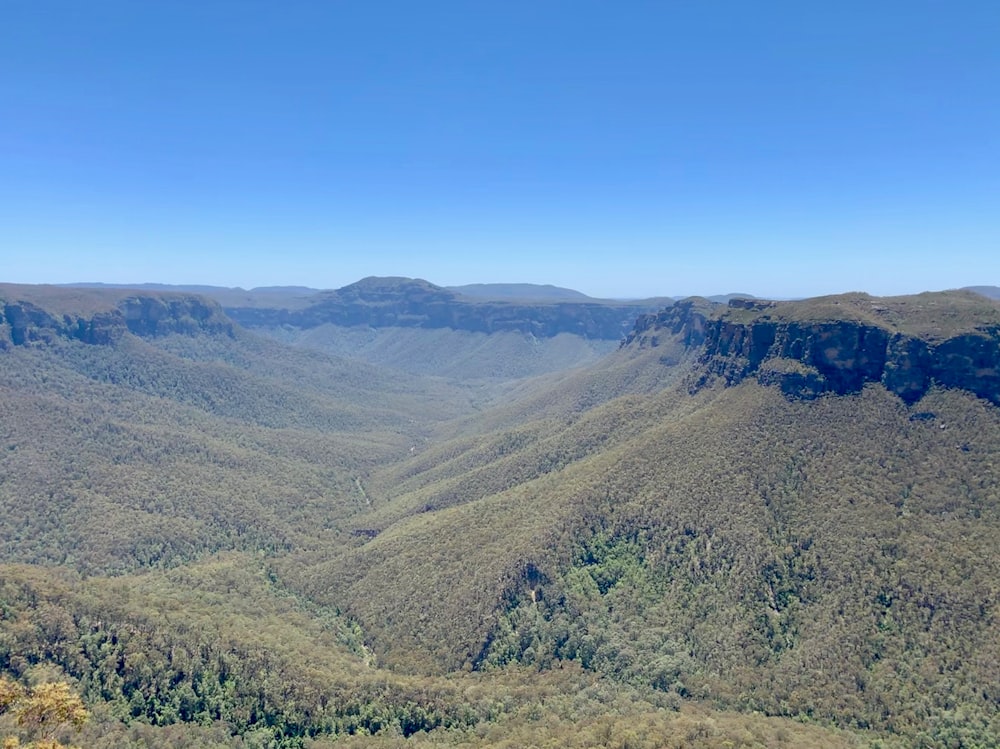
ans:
(43, 314)
(838, 344)
(376, 302)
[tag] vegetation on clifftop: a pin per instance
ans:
(218, 540)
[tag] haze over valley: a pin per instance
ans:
(396, 514)
(499, 375)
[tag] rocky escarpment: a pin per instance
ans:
(37, 314)
(685, 321)
(839, 344)
(412, 303)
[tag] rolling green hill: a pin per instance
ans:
(759, 524)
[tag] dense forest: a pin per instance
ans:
(752, 524)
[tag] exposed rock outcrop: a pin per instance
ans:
(685, 321)
(156, 315)
(839, 344)
(37, 315)
(413, 303)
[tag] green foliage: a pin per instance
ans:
(213, 643)
(153, 453)
(219, 540)
(831, 560)
(930, 315)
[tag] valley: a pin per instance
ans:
(396, 514)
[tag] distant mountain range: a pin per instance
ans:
(521, 292)
(756, 523)
(518, 291)
(475, 331)
(993, 292)
(471, 332)
(494, 291)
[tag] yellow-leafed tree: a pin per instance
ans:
(42, 711)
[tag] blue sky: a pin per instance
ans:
(622, 149)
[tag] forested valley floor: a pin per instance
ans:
(210, 537)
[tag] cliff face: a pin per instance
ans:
(685, 321)
(30, 315)
(839, 344)
(410, 303)
(159, 315)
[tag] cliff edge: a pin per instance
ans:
(840, 343)
(42, 314)
(384, 302)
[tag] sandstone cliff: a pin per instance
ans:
(838, 344)
(42, 314)
(413, 303)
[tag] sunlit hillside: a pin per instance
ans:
(755, 524)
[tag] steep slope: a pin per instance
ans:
(740, 508)
(838, 344)
(414, 303)
(826, 551)
(147, 429)
(216, 654)
(493, 332)
(415, 326)
(445, 352)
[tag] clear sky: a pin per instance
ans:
(624, 148)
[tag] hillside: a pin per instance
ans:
(147, 429)
(827, 552)
(840, 343)
(414, 303)
(480, 332)
(490, 332)
(755, 524)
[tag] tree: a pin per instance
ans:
(42, 711)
